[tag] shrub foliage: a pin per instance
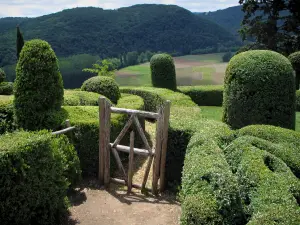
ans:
(251, 92)
(103, 85)
(295, 60)
(6, 88)
(163, 72)
(36, 171)
(2, 75)
(38, 87)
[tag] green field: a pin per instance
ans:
(215, 113)
(206, 69)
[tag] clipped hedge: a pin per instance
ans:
(38, 87)
(80, 98)
(269, 190)
(106, 86)
(163, 73)
(283, 143)
(36, 171)
(6, 114)
(206, 95)
(251, 94)
(210, 193)
(6, 88)
(86, 134)
(295, 60)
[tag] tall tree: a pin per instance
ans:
(273, 23)
(20, 41)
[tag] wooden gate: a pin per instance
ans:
(157, 154)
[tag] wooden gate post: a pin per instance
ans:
(166, 117)
(161, 145)
(104, 141)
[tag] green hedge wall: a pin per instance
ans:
(36, 171)
(86, 134)
(6, 114)
(283, 143)
(80, 98)
(269, 190)
(6, 88)
(206, 95)
(210, 193)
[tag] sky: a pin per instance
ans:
(34, 8)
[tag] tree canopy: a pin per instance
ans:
(273, 23)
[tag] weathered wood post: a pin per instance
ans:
(166, 115)
(104, 141)
(158, 146)
(130, 167)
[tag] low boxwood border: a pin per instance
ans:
(206, 95)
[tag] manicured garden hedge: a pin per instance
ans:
(6, 114)
(6, 88)
(210, 193)
(86, 134)
(283, 143)
(206, 95)
(251, 94)
(106, 86)
(269, 190)
(80, 98)
(36, 170)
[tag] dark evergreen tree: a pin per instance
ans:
(20, 41)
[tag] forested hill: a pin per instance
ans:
(230, 18)
(109, 33)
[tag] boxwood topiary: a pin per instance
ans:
(36, 170)
(38, 87)
(295, 60)
(259, 89)
(103, 85)
(2, 75)
(6, 88)
(163, 72)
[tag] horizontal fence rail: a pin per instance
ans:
(140, 113)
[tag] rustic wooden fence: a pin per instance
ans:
(157, 155)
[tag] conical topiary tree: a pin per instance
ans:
(259, 89)
(38, 87)
(20, 42)
(163, 72)
(295, 60)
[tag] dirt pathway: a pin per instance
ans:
(115, 207)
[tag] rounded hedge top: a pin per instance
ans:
(38, 87)
(163, 72)
(2, 75)
(295, 60)
(259, 89)
(106, 86)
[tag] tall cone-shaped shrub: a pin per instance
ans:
(38, 88)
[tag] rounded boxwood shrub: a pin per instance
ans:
(6, 88)
(295, 60)
(163, 72)
(36, 171)
(2, 75)
(38, 87)
(259, 89)
(106, 86)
